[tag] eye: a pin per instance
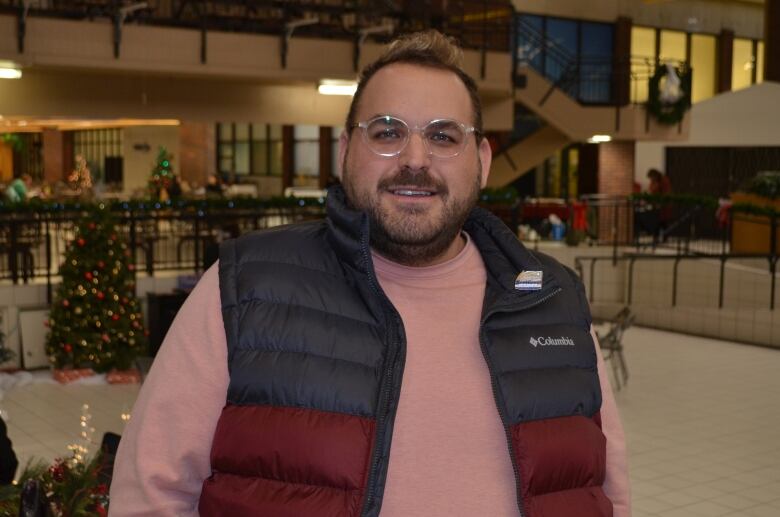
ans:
(444, 133)
(387, 133)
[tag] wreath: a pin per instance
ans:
(669, 113)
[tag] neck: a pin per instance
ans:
(414, 256)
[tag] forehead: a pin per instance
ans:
(416, 94)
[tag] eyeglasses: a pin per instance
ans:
(388, 136)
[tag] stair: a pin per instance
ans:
(523, 156)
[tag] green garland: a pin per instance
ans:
(669, 114)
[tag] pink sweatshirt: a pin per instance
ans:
(440, 463)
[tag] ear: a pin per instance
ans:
(343, 146)
(485, 158)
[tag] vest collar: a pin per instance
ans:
(504, 256)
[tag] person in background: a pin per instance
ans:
(661, 185)
(17, 190)
(8, 461)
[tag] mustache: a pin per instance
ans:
(420, 179)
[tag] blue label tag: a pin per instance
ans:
(529, 281)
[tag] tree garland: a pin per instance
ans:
(669, 114)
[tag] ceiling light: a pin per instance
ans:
(336, 87)
(10, 70)
(599, 139)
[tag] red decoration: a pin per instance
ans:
(81, 242)
(100, 295)
(65, 303)
(91, 226)
(130, 267)
(67, 375)
(88, 275)
(131, 376)
(105, 338)
(46, 323)
(101, 264)
(68, 348)
(115, 317)
(57, 472)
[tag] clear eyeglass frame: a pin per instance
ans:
(433, 150)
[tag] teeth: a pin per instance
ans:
(412, 193)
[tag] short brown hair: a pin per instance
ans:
(428, 48)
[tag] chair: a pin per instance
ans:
(612, 345)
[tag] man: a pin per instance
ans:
(406, 355)
(17, 190)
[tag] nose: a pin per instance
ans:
(415, 155)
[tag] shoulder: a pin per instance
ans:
(568, 279)
(287, 243)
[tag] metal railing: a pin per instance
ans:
(33, 245)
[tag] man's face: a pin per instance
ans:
(417, 202)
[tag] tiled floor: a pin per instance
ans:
(702, 419)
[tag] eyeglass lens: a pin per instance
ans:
(389, 135)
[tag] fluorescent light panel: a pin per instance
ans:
(599, 139)
(336, 87)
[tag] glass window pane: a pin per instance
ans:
(704, 65)
(563, 35)
(259, 132)
(642, 62)
(305, 132)
(260, 158)
(242, 132)
(242, 157)
(595, 62)
(225, 165)
(276, 157)
(530, 51)
(760, 63)
(672, 46)
(275, 131)
(225, 132)
(307, 156)
(742, 65)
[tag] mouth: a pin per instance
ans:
(411, 192)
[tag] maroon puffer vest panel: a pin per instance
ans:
(287, 462)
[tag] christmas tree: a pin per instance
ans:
(95, 320)
(162, 175)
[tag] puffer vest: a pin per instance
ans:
(316, 355)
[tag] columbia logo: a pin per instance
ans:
(551, 341)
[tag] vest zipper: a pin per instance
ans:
(494, 384)
(383, 403)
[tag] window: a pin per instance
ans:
(643, 41)
(556, 47)
(596, 42)
(249, 149)
(95, 145)
(760, 62)
(307, 155)
(673, 46)
(704, 65)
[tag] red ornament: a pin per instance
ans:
(91, 226)
(57, 472)
(130, 267)
(68, 348)
(81, 242)
(100, 295)
(124, 301)
(88, 275)
(105, 338)
(46, 323)
(65, 303)
(115, 317)
(101, 264)
(113, 236)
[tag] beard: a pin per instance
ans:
(409, 235)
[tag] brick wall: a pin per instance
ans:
(53, 156)
(197, 152)
(616, 177)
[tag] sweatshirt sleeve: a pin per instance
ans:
(163, 456)
(616, 484)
